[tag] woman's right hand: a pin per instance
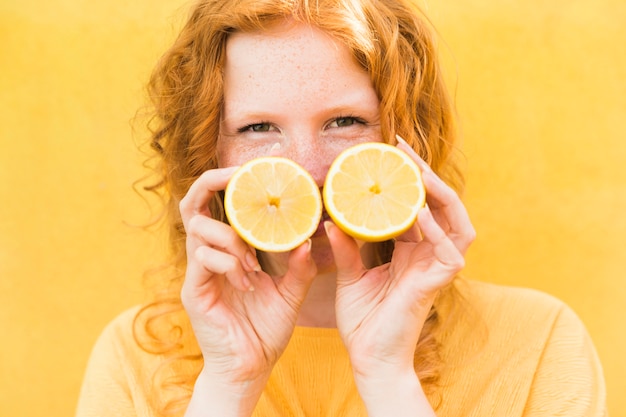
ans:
(242, 317)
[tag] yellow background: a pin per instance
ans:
(541, 92)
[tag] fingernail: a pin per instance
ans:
(327, 226)
(420, 161)
(423, 165)
(247, 284)
(275, 148)
(309, 244)
(253, 262)
(401, 140)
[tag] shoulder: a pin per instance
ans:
(521, 344)
(513, 317)
(502, 311)
(147, 333)
(489, 298)
(122, 324)
(126, 349)
(118, 333)
(106, 389)
(130, 354)
(116, 346)
(509, 310)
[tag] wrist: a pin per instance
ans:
(213, 396)
(393, 393)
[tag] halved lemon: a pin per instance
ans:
(273, 204)
(373, 191)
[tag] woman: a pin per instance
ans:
(333, 327)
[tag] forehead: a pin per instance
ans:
(289, 56)
(284, 36)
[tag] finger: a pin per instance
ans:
(215, 262)
(448, 258)
(438, 192)
(202, 190)
(451, 213)
(403, 145)
(437, 186)
(436, 267)
(346, 253)
(295, 284)
(200, 286)
(413, 234)
(443, 199)
(205, 231)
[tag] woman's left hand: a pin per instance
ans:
(381, 311)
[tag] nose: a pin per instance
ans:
(311, 153)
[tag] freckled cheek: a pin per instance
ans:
(339, 144)
(232, 153)
(225, 159)
(224, 156)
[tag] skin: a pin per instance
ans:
(296, 92)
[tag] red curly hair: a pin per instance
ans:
(391, 39)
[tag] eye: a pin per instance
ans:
(345, 121)
(256, 127)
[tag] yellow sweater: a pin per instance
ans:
(513, 352)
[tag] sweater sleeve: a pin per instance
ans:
(105, 390)
(568, 380)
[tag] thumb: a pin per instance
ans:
(301, 271)
(346, 253)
